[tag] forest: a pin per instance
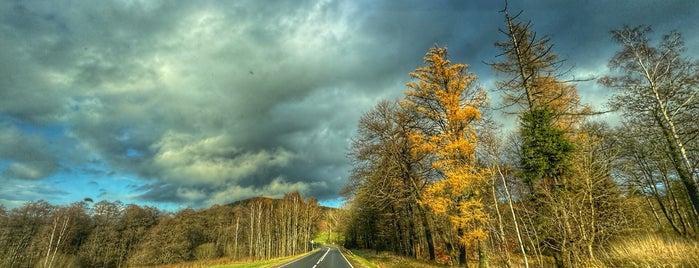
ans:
(113, 234)
(436, 178)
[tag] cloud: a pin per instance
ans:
(23, 190)
(185, 96)
(212, 160)
(208, 102)
(27, 155)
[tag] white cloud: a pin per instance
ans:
(185, 159)
(275, 189)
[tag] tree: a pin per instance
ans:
(644, 166)
(491, 152)
(62, 237)
(23, 224)
(556, 162)
(447, 105)
(528, 63)
(546, 152)
(658, 84)
(600, 209)
(102, 246)
(386, 183)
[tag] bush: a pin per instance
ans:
(206, 251)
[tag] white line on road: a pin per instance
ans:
(295, 260)
(321, 258)
(343, 256)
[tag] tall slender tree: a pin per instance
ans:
(447, 104)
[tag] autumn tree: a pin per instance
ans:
(23, 225)
(62, 237)
(386, 183)
(447, 104)
(102, 247)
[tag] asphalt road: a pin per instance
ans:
(326, 257)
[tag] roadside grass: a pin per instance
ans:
(356, 260)
(230, 263)
(258, 264)
(649, 250)
(371, 259)
(643, 250)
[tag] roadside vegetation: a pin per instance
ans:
(436, 181)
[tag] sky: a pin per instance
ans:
(181, 104)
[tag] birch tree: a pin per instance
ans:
(658, 84)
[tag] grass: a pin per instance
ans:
(650, 250)
(257, 264)
(229, 263)
(647, 250)
(371, 259)
(356, 260)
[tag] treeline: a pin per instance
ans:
(112, 234)
(434, 178)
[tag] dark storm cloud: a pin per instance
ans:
(28, 157)
(186, 96)
(209, 102)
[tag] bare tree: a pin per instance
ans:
(658, 84)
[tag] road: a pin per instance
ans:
(326, 257)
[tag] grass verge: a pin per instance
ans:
(258, 264)
(229, 263)
(371, 259)
(356, 260)
(651, 250)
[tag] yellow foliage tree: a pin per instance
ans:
(446, 104)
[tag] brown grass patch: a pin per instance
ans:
(650, 250)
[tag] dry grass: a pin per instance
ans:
(650, 250)
(229, 263)
(390, 260)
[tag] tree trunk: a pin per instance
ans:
(514, 218)
(428, 232)
(678, 152)
(235, 244)
(463, 258)
(482, 256)
(501, 229)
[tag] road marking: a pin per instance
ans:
(322, 258)
(343, 256)
(309, 254)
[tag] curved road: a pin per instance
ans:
(326, 257)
